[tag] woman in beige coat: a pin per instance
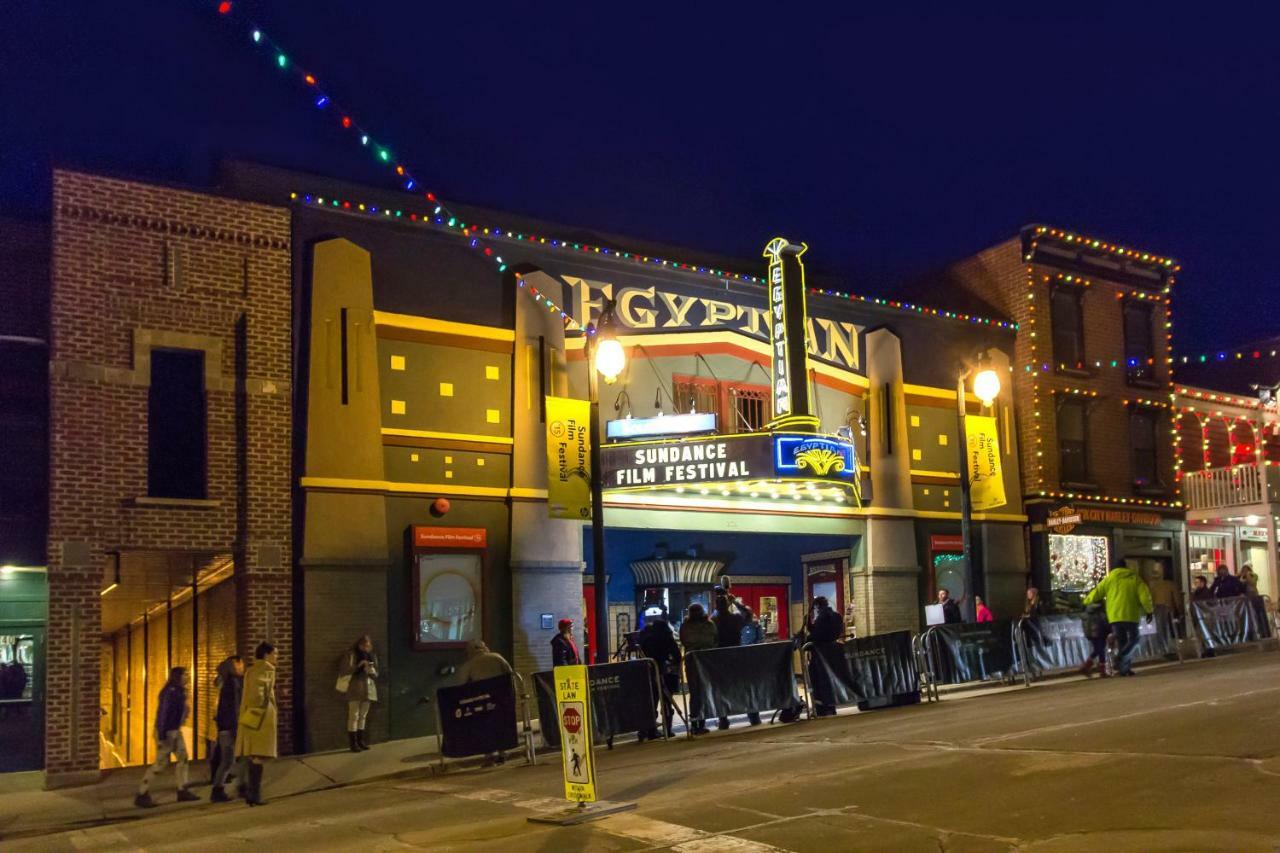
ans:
(256, 730)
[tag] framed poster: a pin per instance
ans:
(447, 601)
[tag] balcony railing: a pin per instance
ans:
(1235, 485)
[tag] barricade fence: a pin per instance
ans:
(964, 652)
(877, 671)
(1222, 623)
(480, 718)
(1060, 642)
(624, 698)
(735, 680)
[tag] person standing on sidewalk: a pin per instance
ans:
(752, 634)
(230, 684)
(171, 713)
(563, 650)
(358, 674)
(729, 624)
(1128, 599)
(825, 627)
(658, 643)
(1097, 630)
(256, 726)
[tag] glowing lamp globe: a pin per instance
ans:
(610, 359)
(987, 386)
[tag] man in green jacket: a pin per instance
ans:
(1128, 599)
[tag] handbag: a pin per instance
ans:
(344, 681)
(252, 717)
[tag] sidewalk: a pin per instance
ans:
(27, 809)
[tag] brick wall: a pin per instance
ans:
(1022, 289)
(137, 266)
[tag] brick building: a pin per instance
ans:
(170, 452)
(1093, 380)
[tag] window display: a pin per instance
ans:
(1077, 563)
(447, 599)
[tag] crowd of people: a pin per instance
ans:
(246, 721)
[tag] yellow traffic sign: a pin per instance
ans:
(573, 711)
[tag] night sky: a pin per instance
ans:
(891, 143)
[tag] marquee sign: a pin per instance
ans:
(726, 459)
(666, 309)
(690, 423)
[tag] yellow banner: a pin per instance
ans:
(986, 483)
(568, 458)
(573, 708)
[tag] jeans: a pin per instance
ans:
(226, 757)
(1126, 641)
(357, 715)
(171, 744)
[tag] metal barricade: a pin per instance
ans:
(517, 685)
(924, 667)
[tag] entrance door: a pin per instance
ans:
(824, 576)
(769, 602)
(946, 567)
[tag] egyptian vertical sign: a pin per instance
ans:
(787, 330)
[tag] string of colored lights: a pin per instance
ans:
(443, 215)
(475, 232)
(1092, 243)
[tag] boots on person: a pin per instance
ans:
(1087, 668)
(362, 739)
(353, 741)
(254, 794)
(186, 796)
(219, 795)
(144, 801)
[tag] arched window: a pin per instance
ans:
(1217, 434)
(1243, 443)
(1190, 442)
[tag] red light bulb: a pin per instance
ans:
(224, 7)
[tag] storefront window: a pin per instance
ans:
(1077, 563)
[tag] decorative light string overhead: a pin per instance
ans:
(442, 214)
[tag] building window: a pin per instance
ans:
(1067, 315)
(1139, 342)
(749, 408)
(176, 425)
(738, 407)
(695, 394)
(1073, 442)
(1142, 441)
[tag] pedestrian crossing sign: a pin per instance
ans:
(573, 712)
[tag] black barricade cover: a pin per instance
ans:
(1058, 641)
(623, 699)
(478, 718)
(971, 651)
(1224, 622)
(863, 668)
(739, 679)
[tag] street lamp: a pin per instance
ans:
(986, 386)
(605, 356)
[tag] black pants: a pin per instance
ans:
(1099, 652)
(1126, 640)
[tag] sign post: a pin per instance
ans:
(577, 756)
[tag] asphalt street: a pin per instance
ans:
(1182, 757)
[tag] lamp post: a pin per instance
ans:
(605, 357)
(986, 385)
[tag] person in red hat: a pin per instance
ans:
(563, 650)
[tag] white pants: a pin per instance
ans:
(357, 715)
(171, 744)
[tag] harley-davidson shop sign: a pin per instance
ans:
(1068, 518)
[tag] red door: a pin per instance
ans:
(764, 598)
(589, 609)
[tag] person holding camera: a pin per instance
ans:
(358, 682)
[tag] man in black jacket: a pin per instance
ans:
(658, 643)
(230, 684)
(824, 626)
(950, 609)
(1226, 585)
(729, 624)
(172, 709)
